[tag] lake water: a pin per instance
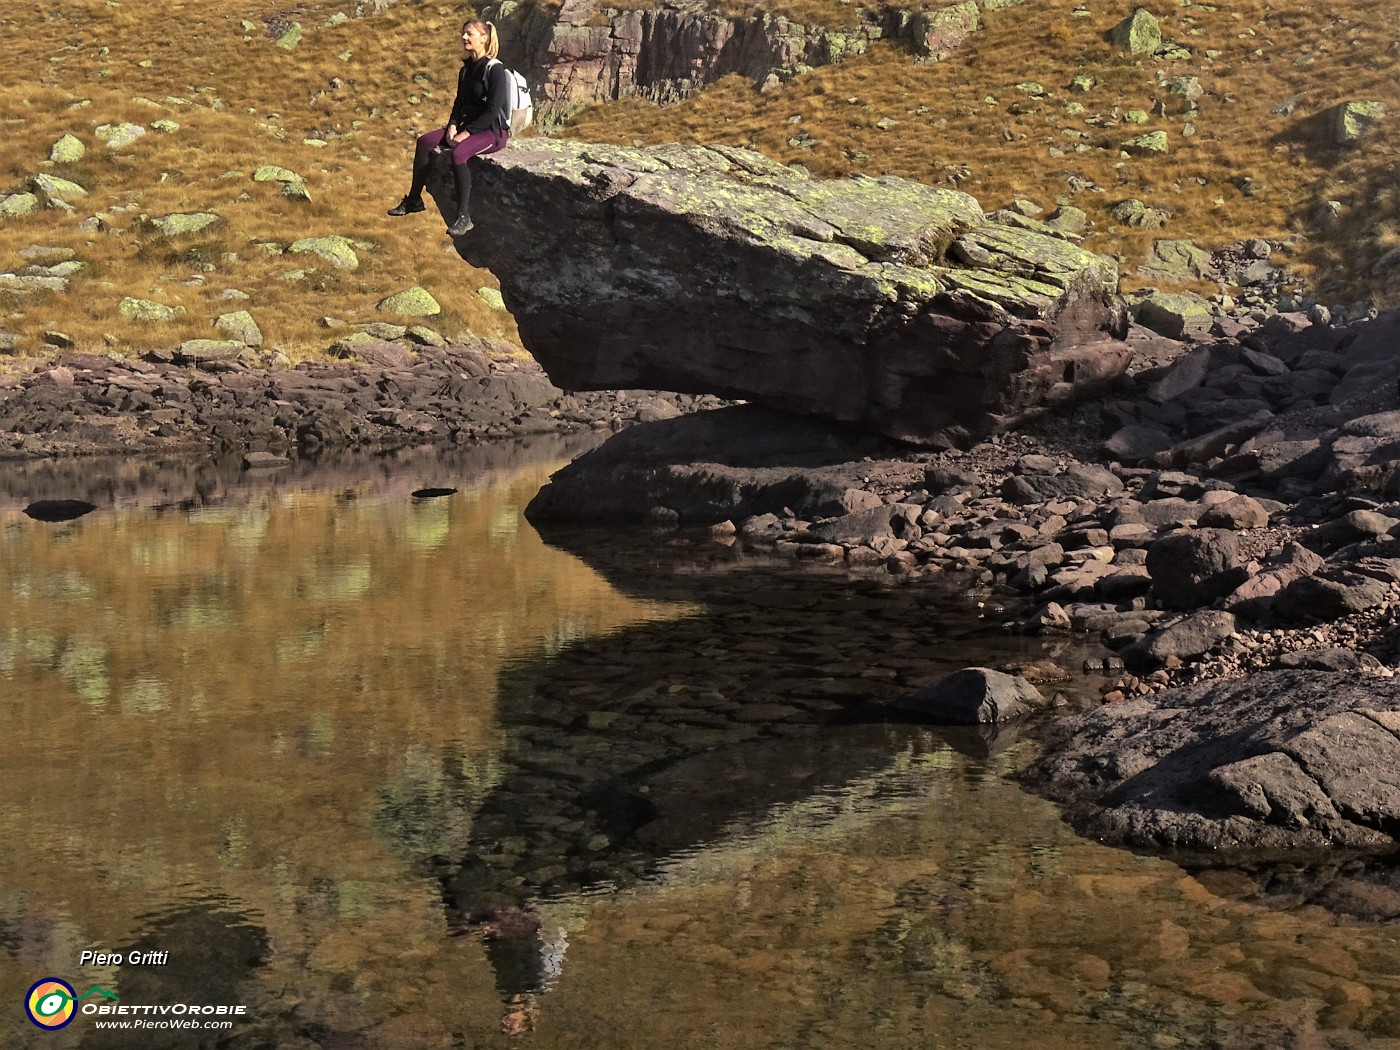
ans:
(392, 772)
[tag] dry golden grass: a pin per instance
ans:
(247, 103)
(1245, 173)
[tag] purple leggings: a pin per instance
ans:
(488, 141)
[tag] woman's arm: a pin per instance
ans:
(460, 105)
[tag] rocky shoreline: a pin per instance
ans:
(1221, 526)
(388, 393)
(1226, 514)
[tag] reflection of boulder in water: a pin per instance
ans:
(669, 736)
(426, 810)
(673, 749)
(432, 493)
(58, 509)
(213, 951)
(1366, 888)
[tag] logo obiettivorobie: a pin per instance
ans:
(52, 1002)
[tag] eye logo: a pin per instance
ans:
(49, 1003)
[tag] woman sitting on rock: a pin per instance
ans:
(480, 123)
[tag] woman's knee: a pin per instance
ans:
(430, 140)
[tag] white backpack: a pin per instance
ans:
(522, 110)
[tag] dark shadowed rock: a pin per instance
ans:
(1254, 597)
(1333, 659)
(941, 478)
(1078, 482)
(972, 696)
(897, 520)
(882, 302)
(58, 509)
(1187, 373)
(1238, 512)
(1190, 569)
(1352, 527)
(729, 464)
(1281, 761)
(1328, 596)
(1186, 639)
(1134, 444)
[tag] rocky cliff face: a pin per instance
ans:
(880, 302)
(584, 52)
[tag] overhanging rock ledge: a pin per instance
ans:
(881, 302)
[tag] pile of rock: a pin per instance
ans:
(1246, 498)
(1232, 511)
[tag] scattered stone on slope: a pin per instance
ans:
(58, 189)
(119, 136)
(336, 250)
(293, 185)
(290, 37)
(68, 149)
(1176, 315)
(1177, 259)
(1140, 33)
(183, 224)
(1354, 120)
(14, 205)
(411, 302)
(239, 325)
(147, 310)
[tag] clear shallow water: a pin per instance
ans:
(394, 773)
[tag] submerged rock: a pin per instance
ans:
(974, 696)
(882, 302)
(58, 509)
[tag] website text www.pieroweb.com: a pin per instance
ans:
(52, 1003)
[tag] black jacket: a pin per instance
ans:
(483, 96)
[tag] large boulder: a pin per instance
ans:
(880, 302)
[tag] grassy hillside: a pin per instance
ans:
(341, 109)
(1256, 160)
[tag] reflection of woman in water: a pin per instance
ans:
(526, 948)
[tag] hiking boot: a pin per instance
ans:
(460, 226)
(408, 206)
